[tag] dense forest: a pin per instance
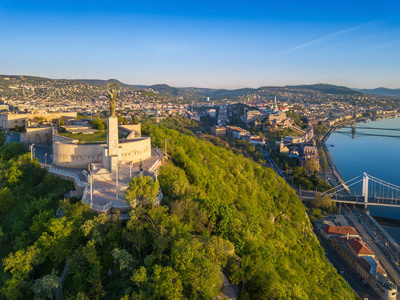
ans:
(222, 214)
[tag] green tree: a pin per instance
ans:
(7, 200)
(44, 287)
(10, 150)
(122, 258)
(167, 284)
(2, 138)
(143, 190)
(97, 124)
(19, 264)
(312, 164)
(324, 202)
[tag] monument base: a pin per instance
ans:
(113, 163)
(110, 153)
(106, 160)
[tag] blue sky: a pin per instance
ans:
(219, 44)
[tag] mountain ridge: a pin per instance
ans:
(382, 91)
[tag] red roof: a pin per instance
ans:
(257, 139)
(359, 247)
(380, 270)
(340, 230)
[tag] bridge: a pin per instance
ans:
(353, 131)
(373, 191)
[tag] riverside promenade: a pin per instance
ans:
(332, 175)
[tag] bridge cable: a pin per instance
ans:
(334, 188)
(343, 188)
(383, 182)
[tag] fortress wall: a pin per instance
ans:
(64, 139)
(133, 130)
(135, 150)
(80, 155)
(76, 155)
(36, 136)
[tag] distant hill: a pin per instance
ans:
(166, 90)
(328, 89)
(106, 82)
(381, 91)
(162, 89)
(94, 87)
(231, 93)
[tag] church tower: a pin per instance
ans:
(275, 106)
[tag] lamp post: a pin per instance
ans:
(130, 170)
(116, 179)
(31, 148)
(91, 190)
(45, 156)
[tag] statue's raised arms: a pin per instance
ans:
(112, 89)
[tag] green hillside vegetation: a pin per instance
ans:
(221, 214)
(227, 195)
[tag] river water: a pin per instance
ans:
(378, 156)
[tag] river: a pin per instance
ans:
(378, 156)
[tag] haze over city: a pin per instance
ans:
(216, 44)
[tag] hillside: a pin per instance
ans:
(169, 91)
(106, 82)
(252, 208)
(221, 214)
(381, 91)
(46, 90)
(37, 88)
(328, 89)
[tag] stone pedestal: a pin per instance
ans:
(110, 153)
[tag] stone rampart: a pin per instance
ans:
(76, 155)
(64, 139)
(41, 135)
(135, 150)
(131, 131)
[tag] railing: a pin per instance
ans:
(102, 208)
(67, 174)
(155, 166)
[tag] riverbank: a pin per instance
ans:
(332, 175)
(374, 153)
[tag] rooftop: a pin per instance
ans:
(359, 247)
(340, 230)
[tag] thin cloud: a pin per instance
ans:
(324, 38)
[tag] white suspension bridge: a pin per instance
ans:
(373, 191)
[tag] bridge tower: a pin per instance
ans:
(365, 188)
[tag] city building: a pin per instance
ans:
(12, 121)
(346, 241)
(218, 130)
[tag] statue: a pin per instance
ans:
(112, 89)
